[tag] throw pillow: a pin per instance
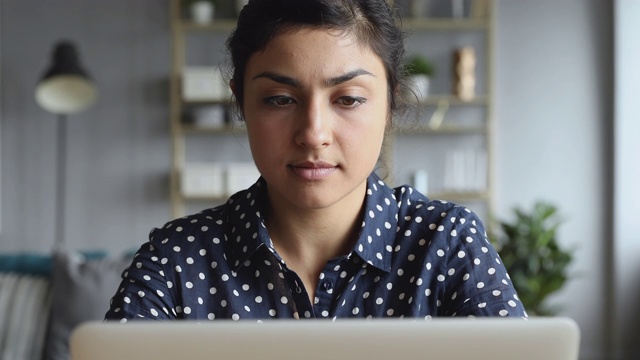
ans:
(82, 289)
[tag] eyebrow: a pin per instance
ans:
(286, 80)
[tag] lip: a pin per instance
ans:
(312, 170)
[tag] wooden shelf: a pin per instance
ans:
(434, 100)
(479, 110)
(444, 24)
(459, 196)
(226, 130)
(211, 199)
(421, 130)
(218, 25)
(224, 102)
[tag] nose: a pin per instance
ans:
(314, 127)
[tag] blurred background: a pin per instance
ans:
(564, 83)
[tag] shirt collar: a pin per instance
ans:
(379, 224)
(375, 241)
(247, 230)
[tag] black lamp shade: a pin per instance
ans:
(65, 87)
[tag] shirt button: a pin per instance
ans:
(327, 285)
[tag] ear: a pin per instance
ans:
(232, 85)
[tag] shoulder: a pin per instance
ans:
(212, 224)
(436, 219)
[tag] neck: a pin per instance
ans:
(307, 238)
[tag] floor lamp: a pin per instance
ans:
(64, 89)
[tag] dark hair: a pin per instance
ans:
(373, 22)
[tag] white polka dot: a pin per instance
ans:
(355, 311)
(480, 285)
(258, 299)
(235, 317)
(461, 254)
(284, 300)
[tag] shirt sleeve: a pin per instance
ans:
(145, 292)
(477, 282)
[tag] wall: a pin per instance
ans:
(118, 151)
(626, 227)
(553, 117)
(553, 86)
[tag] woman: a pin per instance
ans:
(319, 235)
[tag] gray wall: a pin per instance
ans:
(626, 197)
(553, 74)
(554, 118)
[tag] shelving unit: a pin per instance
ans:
(479, 109)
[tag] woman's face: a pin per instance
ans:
(315, 108)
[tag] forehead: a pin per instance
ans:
(313, 46)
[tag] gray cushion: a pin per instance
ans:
(82, 290)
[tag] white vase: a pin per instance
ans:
(202, 12)
(420, 86)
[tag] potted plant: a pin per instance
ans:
(537, 264)
(418, 71)
(201, 11)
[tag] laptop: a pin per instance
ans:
(377, 339)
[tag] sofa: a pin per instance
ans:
(43, 297)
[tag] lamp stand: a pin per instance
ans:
(61, 181)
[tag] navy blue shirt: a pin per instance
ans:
(414, 257)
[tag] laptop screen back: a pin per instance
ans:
(441, 339)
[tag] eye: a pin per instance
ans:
(351, 101)
(279, 100)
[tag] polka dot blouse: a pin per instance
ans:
(413, 258)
